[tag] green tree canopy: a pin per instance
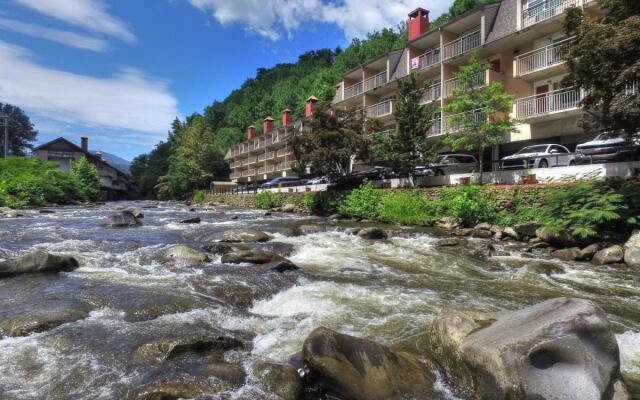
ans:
(87, 174)
(22, 133)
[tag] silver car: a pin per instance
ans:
(454, 164)
(539, 156)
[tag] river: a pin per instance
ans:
(385, 290)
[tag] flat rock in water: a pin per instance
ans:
(451, 242)
(165, 348)
(244, 236)
(280, 379)
(372, 233)
(38, 261)
(34, 320)
(360, 369)
(184, 256)
(195, 220)
(570, 254)
(123, 219)
(218, 248)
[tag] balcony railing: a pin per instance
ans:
(546, 10)
(478, 79)
(250, 172)
(428, 59)
(235, 175)
(285, 166)
(631, 88)
(284, 152)
(267, 169)
(454, 124)
(236, 164)
(266, 156)
(353, 90)
(432, 93)
(542, 58)
(380, 110)
(436, 127)
(547, 103)
(375, 81)
(462, 45)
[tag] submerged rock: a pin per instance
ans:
(38, 261)
(280, 379)
(308, 229)
(184, 256)
(41, 320)
(218, 248)
(123, 219)
(244, 236)
(272, 261)
(632, 251)
(451, 242)
(195, 220)
(558, 349)
(373, 233)
(166, 348)
(609, 255)
(360, 369)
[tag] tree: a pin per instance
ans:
(87, 175)
(408, 147)
(481, 113)
(195, 162)
(604, 61)
(331, 141)
(21, 131)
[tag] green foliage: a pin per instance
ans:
(323, 203)
(87, 174)
(267, 200)
(458, 7)
(31, 182)
(467, 202)
(21, 131)
(363, 202)
(199, 197)
(405, 207)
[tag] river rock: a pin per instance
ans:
(451, 242)
(483, 226)
(308, 229)
(166, 348)
(46, 211)
(181, 387)
(40, 320)
(288, 208)
(482, 234)
(527, 229)
(560, 239)
(510, 233)
(588, 252)
(372, 233)
(244, 236)
(218, 248)
(136, 212)
(632, 251)
(609, 255)
(184, 256)
(280, 379)
(195, 220)
(496, 228)
(272, 261)
(38, 261)
(123, 219)
(360, 369)
(449, 223)
(464, 232)
(569, 254)
(562, 348)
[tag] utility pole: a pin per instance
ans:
(5, 119)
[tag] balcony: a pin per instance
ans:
(542, 59)
(547, 10)
(427, 59)
(235, 175)
(432, 93)
(462, 45)
(380, 110)
(266, 156)
(477, 80)
(250, 172)
(286, 166)
(632, 88)
(550, 103)
(236, 164)
(455, 123)
(375, 81)
(267, 169)
(436, 127)
(284, 152)
(353, 90)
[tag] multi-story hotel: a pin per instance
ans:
(270, 155)
(522, 41)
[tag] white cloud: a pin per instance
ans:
(88, 14)
(355, 17)
(129, 104)
(59, 36)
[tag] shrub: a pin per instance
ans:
(323, 203)
(405, 207)
(466, 202)
(363, 202)
(266, 200)
(199, 197)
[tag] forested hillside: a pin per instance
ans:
(271, 91)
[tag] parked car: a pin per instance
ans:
(539, 156)
(281, 181)
(609, 147)
(374, 174)
(448, 164)
(319, 180)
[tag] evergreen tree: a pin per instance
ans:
(22, 134)
(481, 114)
(408, 146)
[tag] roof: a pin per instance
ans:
(417, 11)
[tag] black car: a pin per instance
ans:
(609, 147)
(374, 174)
(281, 182)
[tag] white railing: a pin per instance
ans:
(542, 58)
(353, 90)
(546, 10)
(478, 79)
(265, 156)
(436, 127)
(432, 93)
(375, 81)
(547, 103)
(284, 152)
(266, 169)
(462, 45)
(250, 172)
(284, 166)
(235, 175)
(428, 59)
(379, 110)
(454, 124)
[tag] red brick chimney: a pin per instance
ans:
(267, 126)
(312, 102)
(418, 23)
(251, 132)
(287, 117)
(84, 143)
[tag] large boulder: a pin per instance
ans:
(562, 348)
(280, 379)
(166, 348)
(37, 261)
(609, 255)
(288, 208)
(527, 229)
(560, 239)
(569, 254)
(184, 256)
(123, 219)
(449, 223)
(632, 251)
(244, 236)
(360, 369)
(372, 233)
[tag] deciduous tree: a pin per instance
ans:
(22, 133)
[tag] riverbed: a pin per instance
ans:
(123, 296)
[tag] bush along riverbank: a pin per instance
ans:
(588, 220)
(29, 182)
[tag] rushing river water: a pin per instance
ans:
(385, 290)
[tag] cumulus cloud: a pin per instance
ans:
(272, 18)
(54, 35)
(129, 103)
(92, 15)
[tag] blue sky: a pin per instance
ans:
(120, 71)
